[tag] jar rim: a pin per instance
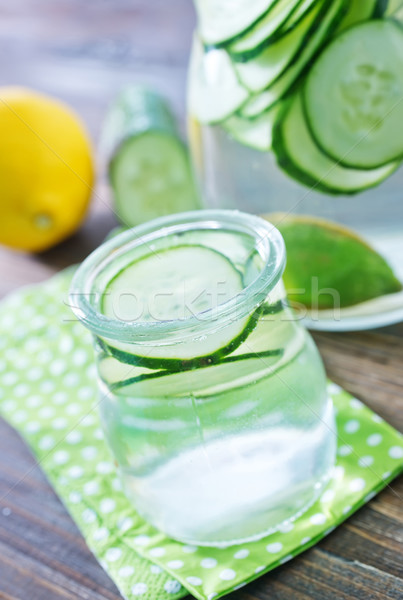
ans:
(271, 246)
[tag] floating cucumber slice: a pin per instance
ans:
(256, 133)
(214, 92)
(298, 155)
(264, 69)
(204, 380)
(265, 30)
(264, 100)
(175, 284)
(353, 96)
(149, 171)
(326, 260)
(222, 20)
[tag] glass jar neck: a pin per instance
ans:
(99, 268)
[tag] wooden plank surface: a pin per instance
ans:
(84, 52)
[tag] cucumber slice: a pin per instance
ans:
(205, 380)
(260, 102)
(198, 279)
(353, 96)
(251, 43)
(298, 14)
(222, 20)
(299, 156)
(214, 92)
(256, 133)
(149, 171)
(360, 10)
(263, 70)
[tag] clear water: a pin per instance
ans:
(220, 453)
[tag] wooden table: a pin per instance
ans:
(84, 51)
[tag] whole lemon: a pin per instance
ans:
(46, 170)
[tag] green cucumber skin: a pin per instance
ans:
(311, 130)
(291, 169)
(315, 25)
(225, 43)
(380, 9)
(305, 69)
(175, 365)
(246, 55)
(229, 359)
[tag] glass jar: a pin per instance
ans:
(294, 109)
(219, 420)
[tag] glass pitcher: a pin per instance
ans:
(213, 397)
(296, 106)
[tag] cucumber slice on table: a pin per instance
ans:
(198, 279)
(264, 100)
(264, 69)
(256, 133)
(214, 92)
(220, 21)
(299, 156)
(266, 30)
(149, 171)
(353, 96)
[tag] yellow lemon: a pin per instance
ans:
(46, 170)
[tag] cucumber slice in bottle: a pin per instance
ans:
(266, 29)
(263, 70)
(256, 133)
(175, 284)
(149, 171)
(220, 21)
(299, 156)
(290, 78)
(353, 96)
(360, 10)
(214, 92)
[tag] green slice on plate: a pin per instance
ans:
(325, 258)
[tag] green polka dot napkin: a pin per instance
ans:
(48, 393)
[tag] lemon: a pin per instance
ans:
(46, 170)
(327, 262)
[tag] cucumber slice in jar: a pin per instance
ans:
(220, 21)
(214, 92)
(175, 284)
(149, 170)
(256, 133)
(206, 380)
(353, 96)
(265, 31)
(299, 156)
(291, 77)
(263, 70)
